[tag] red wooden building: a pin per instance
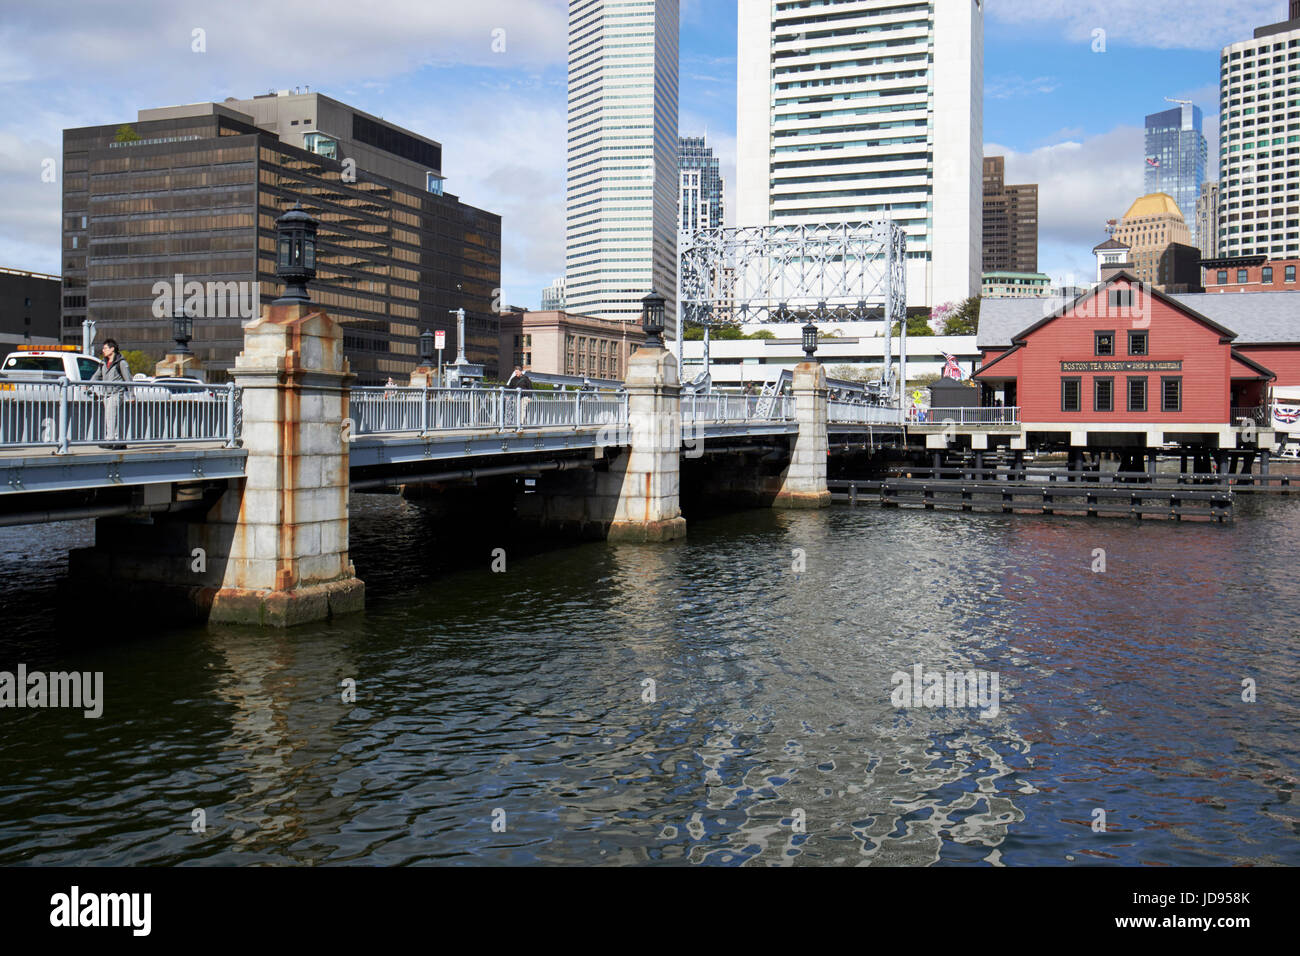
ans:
(1127, 367)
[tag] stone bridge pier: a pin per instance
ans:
(636, 498)
(272, 548)
(803, 485)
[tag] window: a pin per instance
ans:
(1104, 343)
(1137, 393)
(1103, 393)
(1266, 275)
(1223, 277)
(1070, 389)
(1121, 298)
(1137, 343)
(1290, 274)
(1241, 277)
(1171, 394)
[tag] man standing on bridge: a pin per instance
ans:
(519, 379)
(114, 369)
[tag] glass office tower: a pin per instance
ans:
(1175, 160)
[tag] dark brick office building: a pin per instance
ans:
(195, 190)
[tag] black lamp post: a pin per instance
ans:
(426, 348)
(182, 330)
(295, 256)
(652, 320)
(810, 341)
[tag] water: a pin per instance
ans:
(525, 692)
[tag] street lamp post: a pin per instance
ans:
(652, 320)
(810, 341)
(295, 260)
(182, 329)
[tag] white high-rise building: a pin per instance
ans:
(858, 110)
(1259, 179)
(622, 187)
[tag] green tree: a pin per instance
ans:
(965, 319)
(916, 325)
(139, 361)
(762, 334)
(126, 134)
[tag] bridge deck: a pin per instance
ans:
(34, 470)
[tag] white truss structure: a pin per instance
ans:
(824, 273)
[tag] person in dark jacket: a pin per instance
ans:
(114, 369)
(519, 379)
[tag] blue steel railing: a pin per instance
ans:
(62, 415)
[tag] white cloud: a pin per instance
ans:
(65, 65)
(1080, 186)
(1164, 24)
(1016, 87)
(290, 42)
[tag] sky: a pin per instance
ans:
(1063, 102)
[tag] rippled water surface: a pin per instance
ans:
(528, 693)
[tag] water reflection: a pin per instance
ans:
(767, 737)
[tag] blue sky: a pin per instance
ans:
(1065, 116)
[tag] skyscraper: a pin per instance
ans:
(866, 110)
(1175, 158)
(1259, 187)
(1159, 244)
(622, 186)
(1010, 221)
(701, 185)
(1207, 218)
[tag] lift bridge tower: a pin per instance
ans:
(832, 272)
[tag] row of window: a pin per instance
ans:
(1266, 275)
(1103, 394)
(1104, 342)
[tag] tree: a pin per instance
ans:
(916, 325)
(965, 319)
(139, 361)
(855, 373)
(126, 134)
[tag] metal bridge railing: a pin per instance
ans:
(380, 410)
(999, 415)
(862, 413)
(63, 414)
(717, 408)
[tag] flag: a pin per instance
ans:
(951, 369)
(1154, 163)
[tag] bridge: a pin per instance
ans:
(231, 502)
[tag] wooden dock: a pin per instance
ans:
(1084, 494)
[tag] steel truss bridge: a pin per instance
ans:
(828, 272)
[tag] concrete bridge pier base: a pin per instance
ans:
(648, 477)
(804, 483)
(288, 560)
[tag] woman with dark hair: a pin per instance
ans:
(114, 369)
